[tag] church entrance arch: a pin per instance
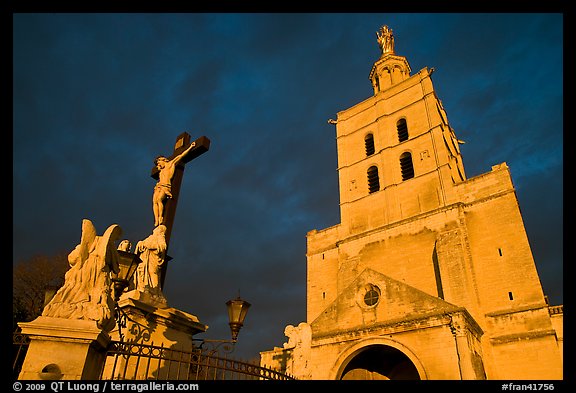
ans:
(378, 360)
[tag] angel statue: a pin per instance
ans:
(87, 291)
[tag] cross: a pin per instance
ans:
(200, 146)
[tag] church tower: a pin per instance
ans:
(429, 275)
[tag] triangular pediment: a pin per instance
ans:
(391, 301)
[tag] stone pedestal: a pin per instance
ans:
(63, 349)
(150, 322)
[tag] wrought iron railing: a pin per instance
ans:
(20, 346)
(133, 361)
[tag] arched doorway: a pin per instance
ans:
(380, 362)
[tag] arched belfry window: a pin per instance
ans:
(402, 128)
(369, 144)
(373, 179)
(406, 166)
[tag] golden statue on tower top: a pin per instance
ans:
(385, 40)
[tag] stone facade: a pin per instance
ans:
(429, 275)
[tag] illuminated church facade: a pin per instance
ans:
(429, 275)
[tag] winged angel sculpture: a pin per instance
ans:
(87, 291)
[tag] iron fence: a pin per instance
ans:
(20, 346)
(132, 361)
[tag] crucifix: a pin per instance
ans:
(169, 172)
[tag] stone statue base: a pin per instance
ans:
(149, 321)
(148, 298)
(63, 349)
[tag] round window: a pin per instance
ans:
(371, 296)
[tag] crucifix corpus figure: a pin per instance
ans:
(163, 188)
(168, 171)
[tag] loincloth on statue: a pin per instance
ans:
(166, 189)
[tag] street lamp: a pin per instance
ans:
(128, 264)
(237, 310)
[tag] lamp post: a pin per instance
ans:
(237, 310)
(127, 264)
(127, 267)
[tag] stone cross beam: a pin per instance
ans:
(194, 149)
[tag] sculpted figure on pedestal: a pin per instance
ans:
(300, 342)
(87, 289)
(385, 39)
(152, 252)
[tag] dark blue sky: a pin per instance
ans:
(96, 97)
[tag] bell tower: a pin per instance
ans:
(397, 154)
